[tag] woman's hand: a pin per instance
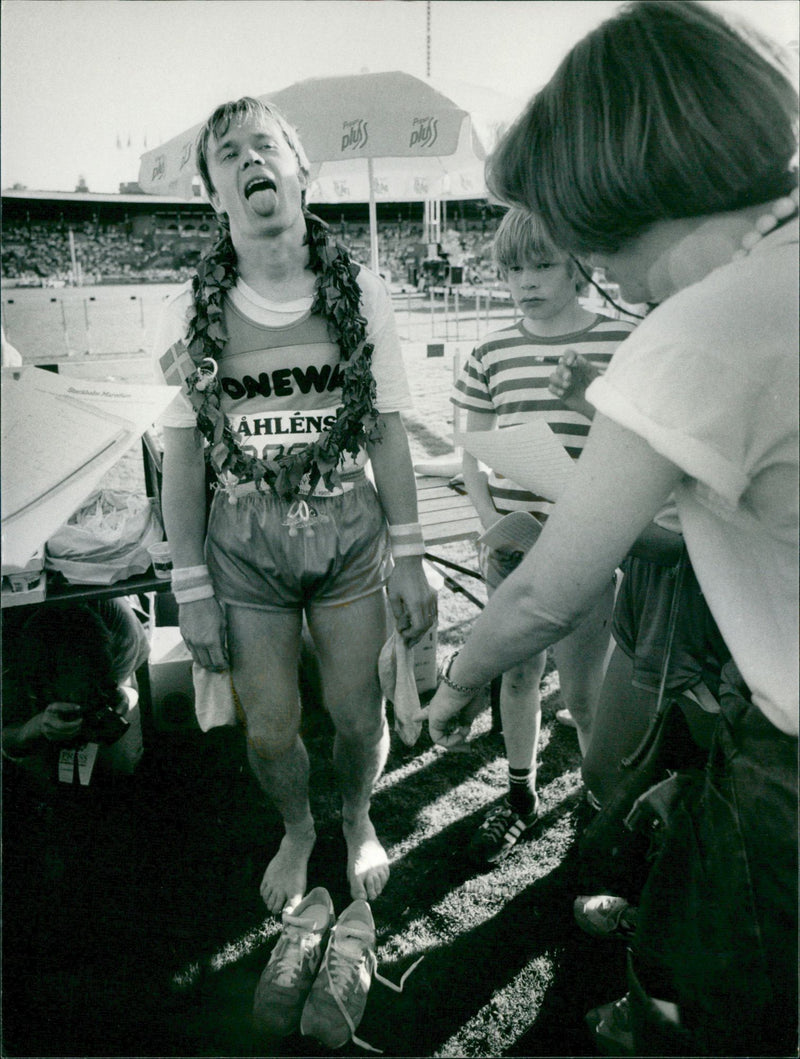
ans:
(450, 715)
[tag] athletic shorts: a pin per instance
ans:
(255, 560)
(641, 620)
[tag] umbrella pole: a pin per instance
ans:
(373, 220)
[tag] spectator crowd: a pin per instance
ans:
(40, 252)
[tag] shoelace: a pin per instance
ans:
(301, 516)
(344, 967)
(299, 938)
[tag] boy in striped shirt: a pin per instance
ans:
(504, 383)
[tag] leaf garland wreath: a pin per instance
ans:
(337, 297)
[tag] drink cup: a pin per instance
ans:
(161, 560)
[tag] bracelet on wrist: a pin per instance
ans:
(465, 689)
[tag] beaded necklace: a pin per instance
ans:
(337, 297)
(781, 211)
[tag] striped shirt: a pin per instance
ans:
(508, 374)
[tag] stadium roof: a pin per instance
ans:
(99, 198)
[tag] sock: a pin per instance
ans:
(521, 796)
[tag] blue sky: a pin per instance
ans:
(80, 77)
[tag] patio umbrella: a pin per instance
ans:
(387, 137)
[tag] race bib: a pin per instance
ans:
(270, 435)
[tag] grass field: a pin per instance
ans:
(133, 924)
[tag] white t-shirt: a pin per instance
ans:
(280, 372)
(710, 380)
(392, 390)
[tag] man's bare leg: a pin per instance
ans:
(285, 782)
(264, 648)
(349, 639)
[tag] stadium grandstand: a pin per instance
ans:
(56, 238)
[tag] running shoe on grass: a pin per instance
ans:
(336, 1003)
(287, 979)
(500, 832)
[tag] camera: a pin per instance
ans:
(102, 725)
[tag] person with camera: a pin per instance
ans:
(69, 703)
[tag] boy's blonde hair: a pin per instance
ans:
(523, 236)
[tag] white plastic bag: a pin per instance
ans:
(106, 539)
(214, 701)
(399, 685)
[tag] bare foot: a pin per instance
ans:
(367, 863)
(284, 882)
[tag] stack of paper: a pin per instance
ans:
(60, 436)
(530, 455)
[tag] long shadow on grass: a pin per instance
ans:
(106, 900)
(169, 879)
(456, 994)
(464, 973)
(462, 998)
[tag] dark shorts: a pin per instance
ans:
(255, 559)
(717, 929)
(641, 620)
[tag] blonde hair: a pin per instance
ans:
(522, 236)
(240, 112)
(664, 111)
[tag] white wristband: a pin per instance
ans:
(187, 574)
(406, 540)
(190, 595)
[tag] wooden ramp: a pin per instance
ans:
(445, 513)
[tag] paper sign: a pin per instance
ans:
(46, 439)
(60, 436)
(530, 455)
(139, 405)
(84, 757)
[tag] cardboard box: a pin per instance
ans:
(171, 685)
(19, 589)
(425, 669)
